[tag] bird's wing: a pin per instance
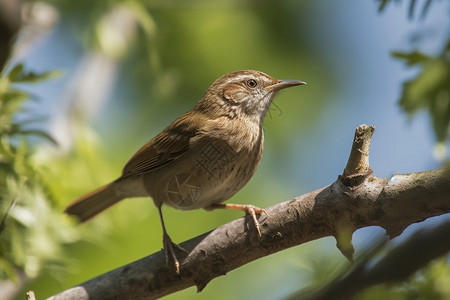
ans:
(163, 149)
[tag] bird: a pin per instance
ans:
(201, 159)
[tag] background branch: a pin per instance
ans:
(397, 265)
(341, 207)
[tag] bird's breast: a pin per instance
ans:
(221, 160)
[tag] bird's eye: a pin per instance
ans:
(251, 83)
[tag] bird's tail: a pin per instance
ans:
(95, 202)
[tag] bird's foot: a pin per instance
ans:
(169, 251)
(252, 211)
(249, 209)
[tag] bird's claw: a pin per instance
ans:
(169, 250)
(252, 211)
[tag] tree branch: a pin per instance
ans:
(356, 199)
(396, 265)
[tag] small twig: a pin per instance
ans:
(358, 162)
(31, 295)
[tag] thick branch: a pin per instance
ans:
(392, 203)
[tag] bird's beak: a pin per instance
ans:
(282, 84)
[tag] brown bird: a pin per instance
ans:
(200, 160)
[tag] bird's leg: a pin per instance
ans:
(249, 209)
(169, 245)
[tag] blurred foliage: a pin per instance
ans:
(430, 89)
(32, 231)
(428, 283)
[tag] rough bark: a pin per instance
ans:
(356, 199)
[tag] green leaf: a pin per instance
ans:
(412, 58)
(429, 90)
(41, 134)
(18, 69)
(13, 95)
(9, 270)
(18, 74)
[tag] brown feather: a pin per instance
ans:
(94, 203)
(166, 147)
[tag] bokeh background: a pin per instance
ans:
(129, 68)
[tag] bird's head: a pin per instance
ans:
(245, 92)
